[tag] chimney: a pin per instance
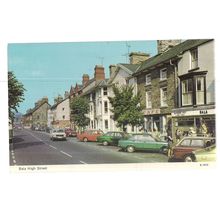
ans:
(66, 94)
(138, 57)
(165, 45)
(44, 99)
(112, 69)
(58, 99)
(85, 79)
(99, 73)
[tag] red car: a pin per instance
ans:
(183, 150)
(89, 135)
(70, 132)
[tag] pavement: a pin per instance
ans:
(35, 148)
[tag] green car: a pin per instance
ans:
(111, 138)
(143, 142)
(205, 155)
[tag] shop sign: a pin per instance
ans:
(193, 112)
(152, 111)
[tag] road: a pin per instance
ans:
(35, 148)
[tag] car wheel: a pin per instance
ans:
(164, 150)
(188, 158)
(130, 149)
(105, 143)
(85, 139)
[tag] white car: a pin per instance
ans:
(58, 134)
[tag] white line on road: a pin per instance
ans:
(66, 153)
(52, 146)
(14, 161)
(82, 162)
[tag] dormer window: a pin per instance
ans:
(163, 74)
(194, 58)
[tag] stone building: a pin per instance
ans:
(37, 117)
(173, 81)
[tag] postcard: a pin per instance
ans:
(103, 104)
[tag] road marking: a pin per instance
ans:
(82, 162)
(14, 161)
(52, 146)
(66, 153)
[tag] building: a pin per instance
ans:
(122, 75)
(37, 117)
(169, 82)
(196, 88)
(59, 113)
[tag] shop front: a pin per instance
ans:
(155, 121)
(191, 121)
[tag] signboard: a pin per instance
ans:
(180, 112)
(151, 111)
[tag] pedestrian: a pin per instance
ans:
(178, 135)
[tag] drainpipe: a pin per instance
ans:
(178, 95)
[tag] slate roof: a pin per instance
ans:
(171, 53)
(99, 84)
(35, 108)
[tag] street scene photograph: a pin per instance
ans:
(113, 102)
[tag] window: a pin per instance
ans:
(106, 106)
(63, 109)
(185, 142)
(194, 58)
(163, 74)
(200, 93)
(106, 124)
(197, 143)
(148, 79)
(163, 96)
(148, 99)
(187, 89)
(63, 116)
(193, 91)
(91, 108)
(105, 91)
(92, 124)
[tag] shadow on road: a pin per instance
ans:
(17, 139)
(27, 144)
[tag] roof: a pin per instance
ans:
(171, 53)
(101, 83)
(36, 108)
(129, 68)
(56, 104)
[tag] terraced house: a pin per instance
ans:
(37, 117)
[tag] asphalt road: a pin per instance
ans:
(35, 148)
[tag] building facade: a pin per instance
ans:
(196, 109)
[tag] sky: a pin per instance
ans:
(49, 69)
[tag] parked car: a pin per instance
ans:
(111, 137)
(89, 135)
(70, 132)
(143, 142)
(57, 134)
(183, 150)
(205, 155)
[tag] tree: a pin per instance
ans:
(79, 108)
(15, 93)
(126, 106)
